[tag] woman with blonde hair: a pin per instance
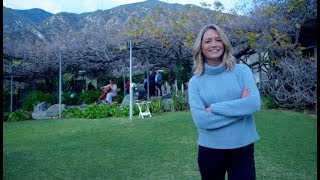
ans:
(223, 97)
(227, 58)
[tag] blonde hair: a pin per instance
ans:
(199, 59)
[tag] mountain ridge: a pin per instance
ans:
(47, 26)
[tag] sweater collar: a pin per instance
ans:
(212, 70)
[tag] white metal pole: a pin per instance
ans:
(11, 87)
(131, 85)
(148, 79)
(176, 85)
(60, 84)
(182, 88)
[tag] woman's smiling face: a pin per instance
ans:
(212, 47)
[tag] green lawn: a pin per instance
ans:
(161, 147)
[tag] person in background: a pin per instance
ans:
(111, 90)
(223, 98)
(127, 87)
(145, 83)
(91, 87)
(158, 81)
(152, 84)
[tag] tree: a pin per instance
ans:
(276, 28)
(165, 37)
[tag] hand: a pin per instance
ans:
(208, 109)
(245, 93)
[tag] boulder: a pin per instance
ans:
(53, 111)
(38, 115)
(126, 100)
(40, 107)
(39, 111)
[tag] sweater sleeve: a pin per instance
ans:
(241, 106)
(201, 118)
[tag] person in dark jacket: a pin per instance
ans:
(91, 87)
(158, 81)
(152, 83)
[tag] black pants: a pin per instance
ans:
(239, 163)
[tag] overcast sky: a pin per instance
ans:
(81, 6)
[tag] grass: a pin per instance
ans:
(288, 145)
(161, 147)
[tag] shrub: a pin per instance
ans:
(180, 101)
(74, 112)
(167, 105)
(35, 97)
(268, 102)
(70, 98)
(19, 115)
(89, 97)
(118, 98)
(125, 111)
(156, 106)
(112, 110)
(93, 111)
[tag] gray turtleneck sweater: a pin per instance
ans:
(230, 124)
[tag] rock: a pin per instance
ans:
(39, 111)
(53, 111)
(126, 100)
(40, 107)
(38, 115)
